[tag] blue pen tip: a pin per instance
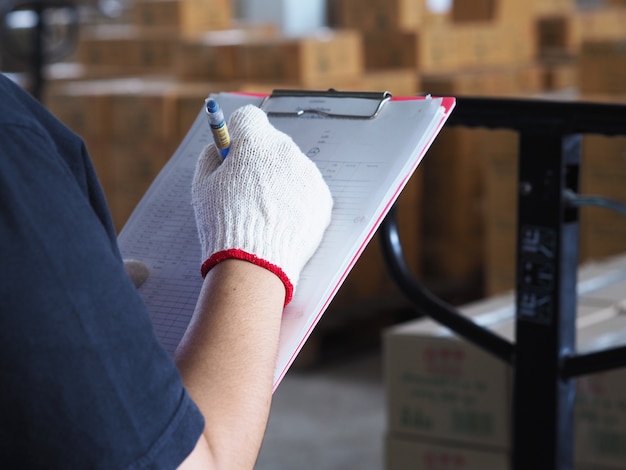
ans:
(212, 106)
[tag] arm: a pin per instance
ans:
(261, 214)
(227, 361)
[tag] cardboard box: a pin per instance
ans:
(494, 44)
(480, 11)
(128, 48)
(402, 453)
(605, 23)
(514, 80)
(515, 13)
(183, 16)
(441, 387)
(216, 55)
(559, 73)
(328, 54)
(452, 172)
(500, 254)
(447, 48)
(558, 33)
(600, 411)
(400, 82)
(384, 15)
(543, 7)
(142, 109)
(602, 66)
(427, 50)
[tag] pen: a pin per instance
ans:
(218, 126)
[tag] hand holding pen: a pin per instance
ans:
(218, 126)
(267, 203)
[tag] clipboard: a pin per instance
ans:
(366, 145)
(328, 104)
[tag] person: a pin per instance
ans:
(84, 382)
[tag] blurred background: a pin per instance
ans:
(130, 76)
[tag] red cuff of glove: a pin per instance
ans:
(235, 253)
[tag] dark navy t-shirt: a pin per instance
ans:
(84, 382)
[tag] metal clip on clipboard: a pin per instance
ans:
(325, 104)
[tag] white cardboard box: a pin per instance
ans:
(439, 387)
(600, 410)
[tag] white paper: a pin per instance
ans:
(366, 163)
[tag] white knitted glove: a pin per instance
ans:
(266, 203)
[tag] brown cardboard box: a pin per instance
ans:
(543, 7)
(448, 48)
(213, 57)
(479, 11)
(558, 33)
(128, 48)
(142, 109)
(400, 82)
(493, 44)
(512, 80)
(452, 212)
(559, 73)
(500, 204)
(384, 15)
(184, 16)
(515, 13)
(427, 50)
(500, 257)
(602, 23)
(216, 55)
(602, 66)
(328, 54)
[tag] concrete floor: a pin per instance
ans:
(328, 418)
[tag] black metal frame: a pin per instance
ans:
(544, 355)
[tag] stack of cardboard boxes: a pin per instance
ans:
(137, 84)
(450, 402)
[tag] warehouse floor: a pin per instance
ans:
(329, 418)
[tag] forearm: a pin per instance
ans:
(228, 355)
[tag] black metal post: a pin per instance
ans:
(547, 254)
